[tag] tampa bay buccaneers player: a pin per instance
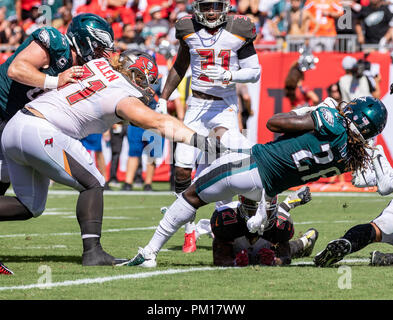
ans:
(234, 245)
(219, 50)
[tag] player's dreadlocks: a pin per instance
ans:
(357, 156)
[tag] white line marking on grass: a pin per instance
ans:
(300, 263)
(18, 235)
(107, 279)
(59, 246)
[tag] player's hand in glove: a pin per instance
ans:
(218, 73)
(162, 106)
(255, 224)
(207, 144)
(267, 257)
(241, 259)
(297, 198)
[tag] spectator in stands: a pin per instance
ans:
(130, 38)
(15, 33)
(288, 17)
(64, 20)
(25, 10)
(10, 7)
(155, 26)
(333, 91)
(355, 83)
(298, 94)
(248, 6)
(324, 12)
(374, 24)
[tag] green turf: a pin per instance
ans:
(52, 242)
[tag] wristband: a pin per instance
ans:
(51, 82)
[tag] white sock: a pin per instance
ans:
(189, 227)
(179, 213)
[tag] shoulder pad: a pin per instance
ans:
(241, 26)
(185, 26)
(50, 37)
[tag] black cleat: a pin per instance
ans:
(5, 270)
(98, 257)
(334, 252)
(381, 259)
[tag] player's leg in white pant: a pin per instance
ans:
(4, 175)
(383, 171)
(46, 153)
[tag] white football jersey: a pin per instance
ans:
(220, 49)
(89, 105)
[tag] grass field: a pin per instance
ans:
(48, 251)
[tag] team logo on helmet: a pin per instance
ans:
(101, 35)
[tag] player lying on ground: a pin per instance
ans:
(234, 245)
(317, 141)
(380, 229)
(41, 142)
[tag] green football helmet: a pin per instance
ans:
(368, 116)
(91, 36)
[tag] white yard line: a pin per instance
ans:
(106, 279)
(142, 275)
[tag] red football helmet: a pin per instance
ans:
(142, 66)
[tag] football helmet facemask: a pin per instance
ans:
(143, 71)
(211, 13)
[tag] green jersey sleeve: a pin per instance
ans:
(328, 122)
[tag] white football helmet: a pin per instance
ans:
(211, 13)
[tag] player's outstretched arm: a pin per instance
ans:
(133, 110)
(290, 123)
(177, 72)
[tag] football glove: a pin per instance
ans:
(241, 259)
(218, 73)
(162, 106)
(267, 257)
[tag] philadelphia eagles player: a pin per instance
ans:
(48, 60)
(320, 141)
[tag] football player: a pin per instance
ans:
(220, 52)
(320, 141)
(234, 245)
(41, 142)
(380, 229)
(48, 60)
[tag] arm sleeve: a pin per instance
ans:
(250, 70)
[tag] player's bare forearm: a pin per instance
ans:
(25, 68)
(290, 123)
(177, 72)
(133, 110)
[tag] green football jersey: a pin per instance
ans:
(296, 160)
(14, 95)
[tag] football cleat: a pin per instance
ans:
(189, 242)
(311, 235)
(334, 252)
(97, 257)
(381, 259)
(297, 198)
(5, 270)
(142, 259)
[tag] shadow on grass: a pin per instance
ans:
(42, 258)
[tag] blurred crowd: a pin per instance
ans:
(145, 23)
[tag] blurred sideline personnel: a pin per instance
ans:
(45, 61)
(320, 141)
(380, 229)
(41, 141)
(219, 48)
(234, 245)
